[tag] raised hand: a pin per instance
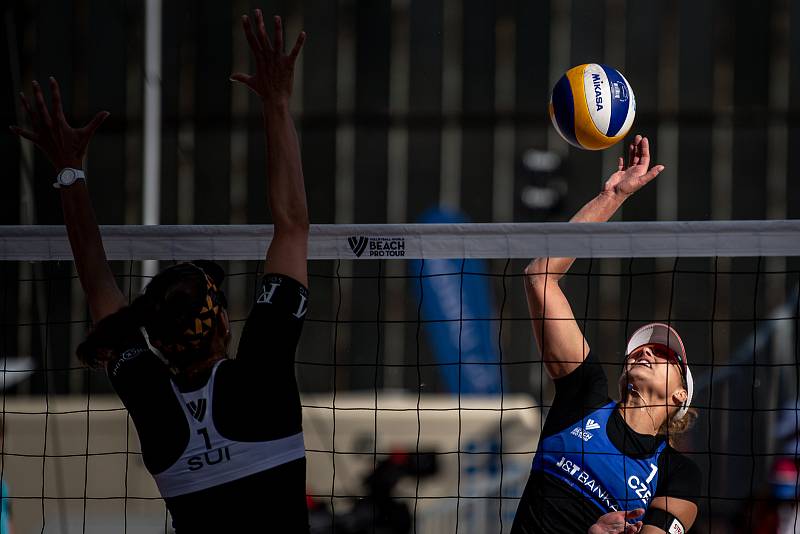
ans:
(616, 523)
(274, 68)
(636, 174)
(63, 145)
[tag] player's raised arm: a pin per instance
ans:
(272, 82)
(558, 335)
(65, 147)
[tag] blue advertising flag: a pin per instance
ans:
(458, 316)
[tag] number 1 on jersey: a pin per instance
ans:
(203, 432)
(652, 473)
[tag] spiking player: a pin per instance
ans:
(222, 438)
(602, 462)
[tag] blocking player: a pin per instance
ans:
(222, 437)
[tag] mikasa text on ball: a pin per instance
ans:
(592, 106)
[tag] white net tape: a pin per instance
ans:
(429, 241)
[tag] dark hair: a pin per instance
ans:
(180, 311)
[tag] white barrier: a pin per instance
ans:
(487, 508)
(54, 484)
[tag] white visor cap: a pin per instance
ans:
(664, 334)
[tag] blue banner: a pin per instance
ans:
(458, 316)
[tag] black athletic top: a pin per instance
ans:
(255, 400)
(564, 496)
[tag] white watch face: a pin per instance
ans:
(67, 177)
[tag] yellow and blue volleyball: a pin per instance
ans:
(592, 106)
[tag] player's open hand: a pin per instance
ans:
(616, 523)
(634, 175)
(63, 145)
(274, 68)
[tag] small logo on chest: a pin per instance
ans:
(584, 433)
(197, 408)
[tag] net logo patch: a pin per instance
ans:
(358, 244)
(377, 247)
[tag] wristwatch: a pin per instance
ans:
(68, 176)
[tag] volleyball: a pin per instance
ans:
(592, 106)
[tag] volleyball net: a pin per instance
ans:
(423, 392)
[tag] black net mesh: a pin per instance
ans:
(423, 393)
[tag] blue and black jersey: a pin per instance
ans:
(589, 462)
(226, 450)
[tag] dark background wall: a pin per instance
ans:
(423, 93)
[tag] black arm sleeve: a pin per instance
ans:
(664, 520)
(273, 327)
(683, 479)
(585, 381)
(134, 368)
(578, 393)
(263, 372)
(142, 382)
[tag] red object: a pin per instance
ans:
(784, 471)
(398, 458)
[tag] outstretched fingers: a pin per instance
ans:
(631, 154)
(30, 136)
(41, 107)
(298, 45)
(246, 79)
(266, 45)
(95, 123)
(648, 177)
(27, 105)
(634, 151)
(644, 151)
(58, 108)
(278, 33)
(251, 38)
(259, 40)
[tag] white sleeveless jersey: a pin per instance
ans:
(211, 460)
